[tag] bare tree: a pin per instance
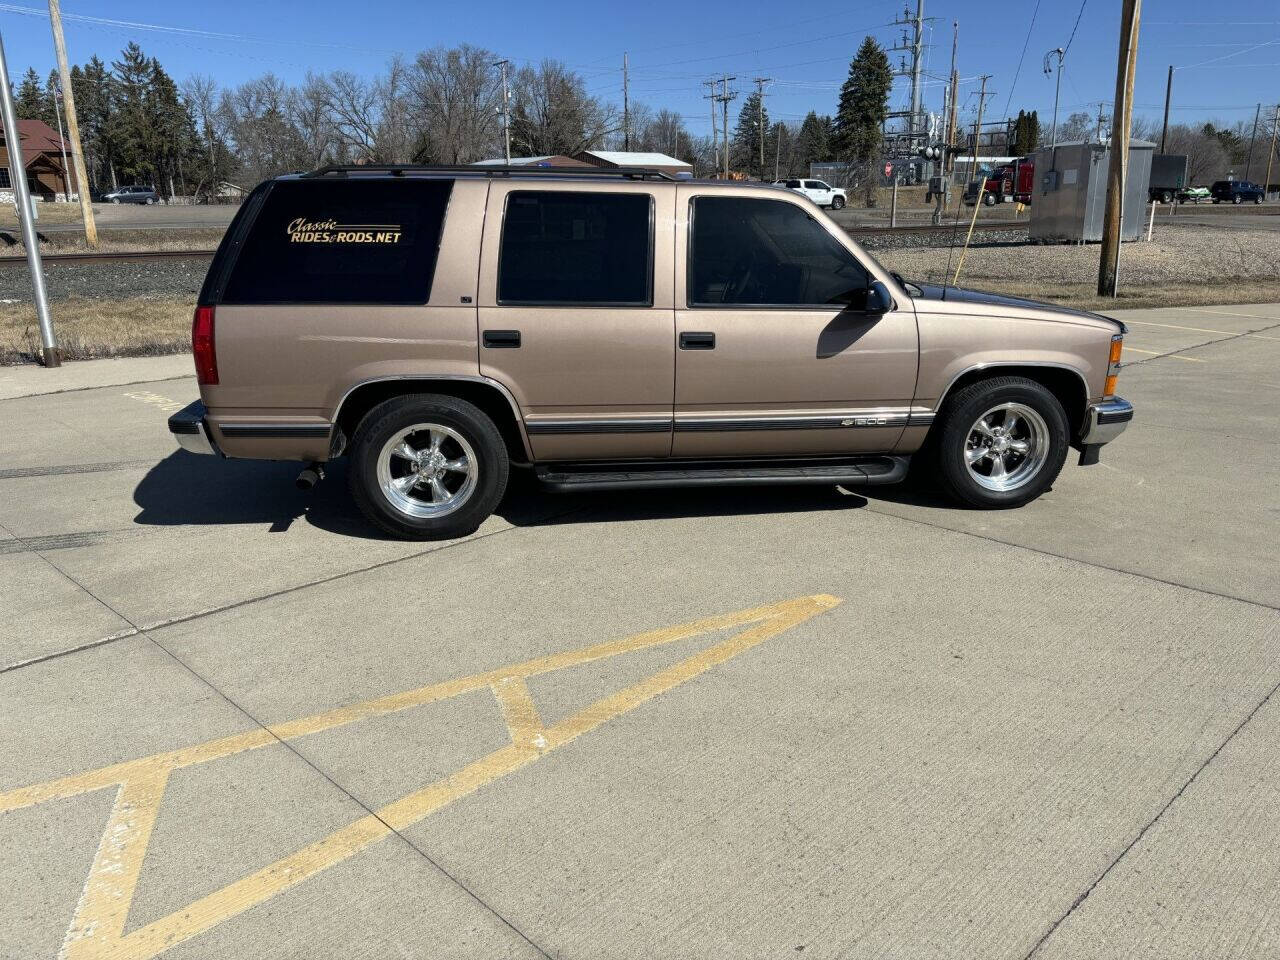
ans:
(257, 117)
(554, 115)
(453, 103)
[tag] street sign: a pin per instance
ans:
(888, 169)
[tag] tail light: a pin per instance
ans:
(202, 346)
(1113, 365)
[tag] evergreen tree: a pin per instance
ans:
(748, 134)
(1026, 133)
(132, 128)
(92, 87)
(813, 144)
(864, 104)
(30, 100)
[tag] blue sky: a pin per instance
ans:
(1225, 65)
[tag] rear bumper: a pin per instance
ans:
(190, 430)
(1105, 421)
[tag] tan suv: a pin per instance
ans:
(613, 329)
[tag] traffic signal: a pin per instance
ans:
(930, 152)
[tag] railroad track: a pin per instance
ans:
(139, 256)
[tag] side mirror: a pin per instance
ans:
(879, 300)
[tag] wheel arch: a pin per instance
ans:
(489, 395)
(1066, 384)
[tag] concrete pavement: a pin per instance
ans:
(1042, 732)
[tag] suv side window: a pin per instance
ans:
(342, 241)
(756, 252)
(576, 248)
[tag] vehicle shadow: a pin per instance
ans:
(187, 489)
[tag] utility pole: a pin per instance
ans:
(73, 125)
(724, 97)
(760, 82)
(22, 200)
(1168, 95)
(1275, 128)
(977, 127)
(948, 162)
(715, 130)
(1121, 120)
(777, 155)
(915, 46)
(506, 109)
(55, 93)
(1252, 140)
(626, 106)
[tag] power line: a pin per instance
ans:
(1074, 28)
(1025, 44)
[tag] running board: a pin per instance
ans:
(854, 471)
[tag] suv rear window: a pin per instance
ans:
(576, 248)
(350, 241)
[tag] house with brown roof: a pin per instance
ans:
(42, 152)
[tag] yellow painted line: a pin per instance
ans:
(1225, 333)
(97, 929)
(1162, 353)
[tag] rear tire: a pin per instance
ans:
(1166, 197)
(989, 199)
(427, 467)
(1237, 199)
(1002, 442)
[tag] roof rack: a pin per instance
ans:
(403, 169)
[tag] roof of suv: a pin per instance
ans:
(563, 174)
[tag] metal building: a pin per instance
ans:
(1070, 199)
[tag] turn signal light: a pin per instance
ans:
(1113, 365)
(1117, 346)
(202, 347)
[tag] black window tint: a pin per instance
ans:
(571, 248)
(770, 253)
(342, 241)
(793, 183)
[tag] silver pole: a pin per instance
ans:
(18, 177)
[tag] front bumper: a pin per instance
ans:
(190, 430)
(1105, 421)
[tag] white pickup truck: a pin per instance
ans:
(816, 190)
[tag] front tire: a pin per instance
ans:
(427, 467)
(1237, 199)
(989, 199)
(1002, 443)
(837, 203)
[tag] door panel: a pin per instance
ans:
(592, 381)
(789, 380)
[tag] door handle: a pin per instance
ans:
(697, 341)
(495, 339)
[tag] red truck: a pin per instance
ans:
(1009, 182)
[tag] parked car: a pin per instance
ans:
(614, 330)
(1194, 195)
(818, 191)
(1237, 191)
(132, 195)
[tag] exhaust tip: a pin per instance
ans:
(309, 477)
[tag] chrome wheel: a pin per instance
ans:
(1007, 446)
(427, 470)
